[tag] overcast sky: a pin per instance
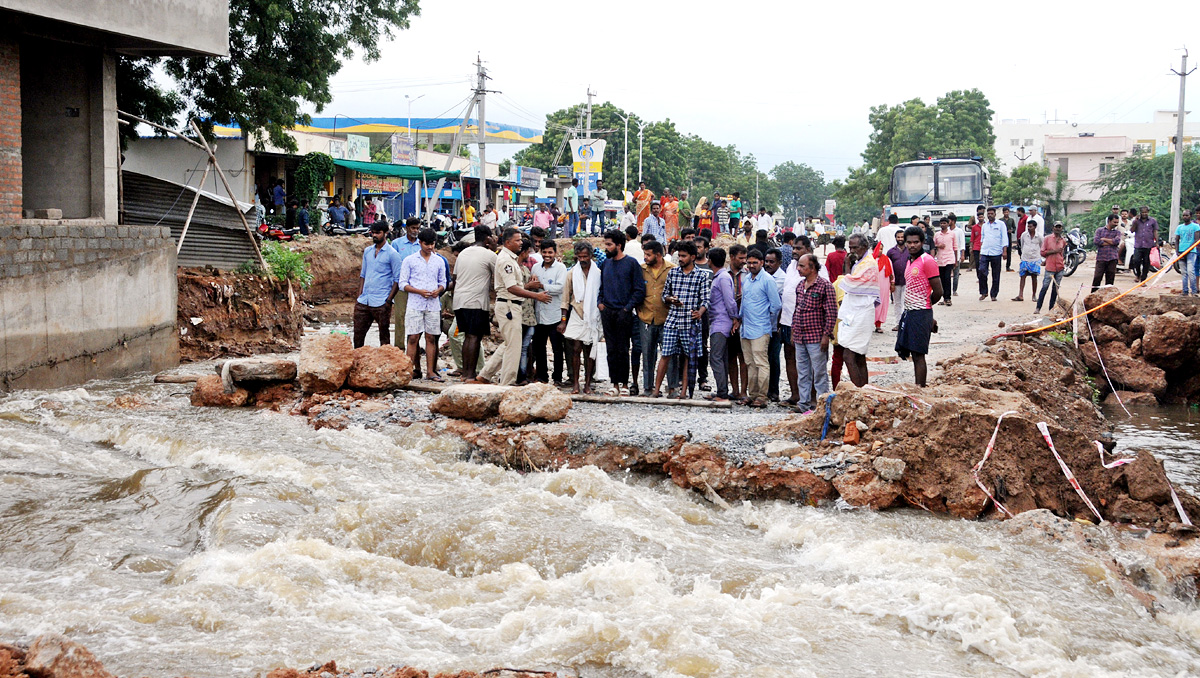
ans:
(783, 80)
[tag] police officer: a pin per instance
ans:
(511, 279)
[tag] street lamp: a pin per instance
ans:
(410, 103)
(641, 126)
(625, 182)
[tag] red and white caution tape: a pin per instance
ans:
(1096, 346)
(1183, 516)
(1115, 462)
(914, 399)
(1066, 471)
(987, 453)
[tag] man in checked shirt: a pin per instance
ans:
(812, 328)
(686, 294)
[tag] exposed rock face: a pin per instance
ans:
(261, 369)
(888, 468)
(325, 361)
(210, 392)
(1124, 368)
(1130, 398)
(473, 402)
(379, 368)
(1170, 339)
(1103, 334)
(535, 402)
(57, 657)
(864, 488)
(1117, 313)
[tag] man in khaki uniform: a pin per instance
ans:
(510, 279)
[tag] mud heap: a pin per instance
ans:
(1144, 344)
(334, 262)
(56, 657)
(221, 313)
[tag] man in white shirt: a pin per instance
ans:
(553, 276)
(887, 232)
(765, 221)
(960, 240)
(572, 208)
(628, 218)
(502, 217)
(1037, 218)
(633, 248)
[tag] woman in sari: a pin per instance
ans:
(641, 203)
(856, 314)
(886, 285)
(670, 214)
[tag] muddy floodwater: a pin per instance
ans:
(179, 541)
(1171, 432)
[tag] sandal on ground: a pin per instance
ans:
(438, 378)
(1018, 299)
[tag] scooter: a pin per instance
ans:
(1075, 254)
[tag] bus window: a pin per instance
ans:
(912, 184)
(960, 183)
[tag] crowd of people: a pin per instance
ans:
(731, 322)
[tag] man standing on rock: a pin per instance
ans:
(380, 270)
(652, 314)
(580, 323)
(922, 289)
(994, 244)
(812, 329)
(622, 290)
(474, 270)
(686, 293)
(423, 277)
(406, 245)
(760, 305)
(509, 280)
(553, 276)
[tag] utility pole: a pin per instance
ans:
(625, 181)
(480, 91)
(1177, 176)
(587, 162)
(1023, 156)
(756, 190)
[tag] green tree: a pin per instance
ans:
(1145, 180)
(1026, 186)
(802, 189)
(137, 94)
(606, 124)
(282, 54)
(504, 167)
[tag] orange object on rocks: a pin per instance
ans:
(852, 436)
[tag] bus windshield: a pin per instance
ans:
(912, 184)
(960, 183)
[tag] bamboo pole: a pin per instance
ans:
(229, 191)
(191, 210)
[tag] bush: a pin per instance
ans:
(314, 170)
(286, 264)
(248, 267)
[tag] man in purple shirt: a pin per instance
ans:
(723, 322)
(1145, 236)
(1107, 239)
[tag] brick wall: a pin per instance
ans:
(29, 247)
(10, 129)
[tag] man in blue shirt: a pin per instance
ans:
(994, 244)
(338, 214)
(279, 196)
(1185, 236)
(572, 204)
(654, 224)
(760, 306)
(622, 290)
(380, 271)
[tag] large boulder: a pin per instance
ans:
(537, 401)
(325, 361)
(1185, 305)
(469, 401)
(1170, 339)
(1129, 398)
(1124, 368)
(864, 488)
(260, 369)
(379, 368)
(1117, 313)
(57, 657)
(209, 391)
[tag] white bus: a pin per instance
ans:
(935, 187)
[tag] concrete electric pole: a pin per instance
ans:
(480, 91)
(1177, 175)
(587, 162)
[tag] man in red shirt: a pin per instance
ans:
(835, 263)
(922, 289)
(976, 236)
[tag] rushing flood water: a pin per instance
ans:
(179, 541)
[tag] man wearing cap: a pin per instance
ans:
(380, 271)
(510, 279)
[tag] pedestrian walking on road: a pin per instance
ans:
(922, 289)
(993, 245)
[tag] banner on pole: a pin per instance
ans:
(587, 162)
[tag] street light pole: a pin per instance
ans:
(641, 126)
(625, 181)
(410, 103)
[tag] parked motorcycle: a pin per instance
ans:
(1075, 254)
(270, 232)
(338, 229)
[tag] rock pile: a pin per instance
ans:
(1145, 345)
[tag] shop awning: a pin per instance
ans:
(383, 169)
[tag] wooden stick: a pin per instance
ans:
(155, 125)
(639, 400)
(212, 157)
(176, 378)
(191, 210)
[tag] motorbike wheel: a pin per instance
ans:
(1073, 262)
